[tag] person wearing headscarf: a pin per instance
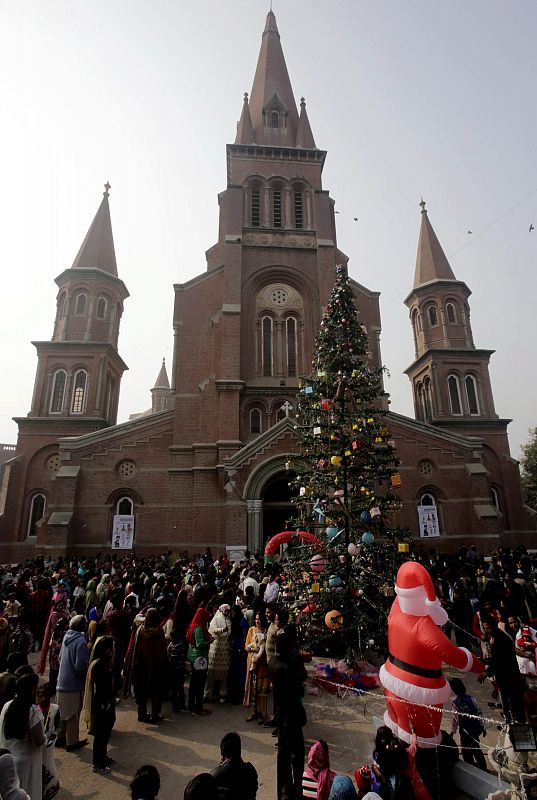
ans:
(149, 667)
(95, 627)
(318, 777)
(343, 789)
(219, 654)
(52, 725)
(9, 780)
(22, 733)
(100, 702)
(90, 596)
(58, 612)
(102, 591)
(199, 639)
(257, 678)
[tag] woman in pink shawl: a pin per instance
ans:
(318, 777)
(58, 612)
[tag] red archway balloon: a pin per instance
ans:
(284, 537)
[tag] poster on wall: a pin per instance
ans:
(123, 532)
(428, 522)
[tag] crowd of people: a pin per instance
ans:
(202, 630)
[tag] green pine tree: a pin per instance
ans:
(346, 493)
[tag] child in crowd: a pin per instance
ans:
(470, 729)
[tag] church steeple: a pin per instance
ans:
(245, 130)
(431, 261)
(449, 376)
(97, 250)
(160, 391)
(272, 104)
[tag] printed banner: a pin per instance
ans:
(428, 521)
(123, 532)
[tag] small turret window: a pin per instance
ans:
(274, 120)
(58, 392)
(471, 395)
(101, 308)
(79, 392)
(433, 316)
(454, 395)
(80, 305)
(277, 208)
(450, 313)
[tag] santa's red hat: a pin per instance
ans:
(413, 580)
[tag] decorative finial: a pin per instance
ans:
(422, 204)
(302, 103)
(163, 361)
(246, 96)
(271, 5)
(107, 188)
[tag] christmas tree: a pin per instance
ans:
(346, 485)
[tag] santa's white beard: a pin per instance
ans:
(419, 606)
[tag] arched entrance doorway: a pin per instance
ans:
(278, 508)
(268, 501)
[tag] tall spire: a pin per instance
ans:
(245, 130)
(271, 91)
(162, 381)
(304, 136)
(97, 250)
(431, 261)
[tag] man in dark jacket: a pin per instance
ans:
(503, 666)
(238, 777)
(74, 660)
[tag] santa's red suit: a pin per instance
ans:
(412, 676)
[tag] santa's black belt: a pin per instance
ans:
(421, 671)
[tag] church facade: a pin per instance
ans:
(207, 465)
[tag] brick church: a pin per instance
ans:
(206, 465)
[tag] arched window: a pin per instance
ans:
(471, 395)
(427, 399)
(450, 312)
(58, 392)
(290, 327)
(37, 510)
(62, 302)
(277, 208)
(80, 304)
(125, 506)
(274, 120)
(299, 208)
(427, 499)
(255, 421)
(454, 394)
(101, 307)
(79, 392)
(256, 206)
(419, 402)
(495, 498)
(415, 325)
(266, 325)
(433, 316)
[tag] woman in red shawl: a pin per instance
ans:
(58, 612)
(318, 777)
(199, 639)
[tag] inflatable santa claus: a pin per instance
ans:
(412, 676)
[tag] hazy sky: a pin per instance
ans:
(410, 98)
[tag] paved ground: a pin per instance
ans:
(182, 746)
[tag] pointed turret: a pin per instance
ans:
(273, 109)
(431, 261)
(245, 130)
(97, 250)
(160, 391)
(162, 381)
(304, 136)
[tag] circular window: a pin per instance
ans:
(425, 467)
(126, 469)
(53, 463)
(279, 297)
